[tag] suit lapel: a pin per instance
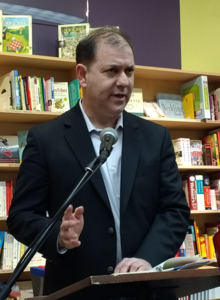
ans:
(78, 138)
(132, 141)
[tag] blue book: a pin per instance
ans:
(171, 105)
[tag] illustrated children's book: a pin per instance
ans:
(17, 34)
(71, 34)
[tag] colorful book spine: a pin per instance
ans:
(206, 190)
(200, 192)
(192, 193)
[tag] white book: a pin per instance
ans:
(4, 200)
(200, 192)
(182, 151)
(15, 253)
(135, 104)
(213, 199)
(189, 245)
(60, 103)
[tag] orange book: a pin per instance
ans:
(197, 237)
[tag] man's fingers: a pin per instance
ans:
(68, 213)
(79, 212)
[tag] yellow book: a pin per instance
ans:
(202, 246)
(211, 247)
(188, 106)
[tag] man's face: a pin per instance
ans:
(109, 79)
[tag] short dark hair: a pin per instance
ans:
(86, 48)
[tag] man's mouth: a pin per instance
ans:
(120, 95)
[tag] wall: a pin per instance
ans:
(153, 26)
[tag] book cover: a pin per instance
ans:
(61, 97)
(17, 34)
(171, 105)
(213, 199)
(9, 151)
(71, 34)
(196, 152)
(212, 139)
(216, 95)
(199, 87)
(206, 190)
(5, 92)
(182, 151)
(207, 154)
(22, 142)
(215, 184)
(200, 192)
(188, 106)
(151, 109)
(135, 104)
(191, 184)
(74, 92)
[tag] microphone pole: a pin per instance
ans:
(5, 289)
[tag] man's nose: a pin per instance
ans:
(122, 79)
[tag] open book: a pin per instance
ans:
(178, 263)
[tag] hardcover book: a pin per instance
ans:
(71, 34)
(171, 105)
(9, 151)
(199, 87)
(17, 34)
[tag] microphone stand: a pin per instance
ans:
(5, 288)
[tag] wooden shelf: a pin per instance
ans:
(31, 117)
(6, 274)
(185, 124)
(9, 167)
(202, 212)
(199, 169)
(36, 62)
(152, 73)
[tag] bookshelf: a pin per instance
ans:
(150, 79)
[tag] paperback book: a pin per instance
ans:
(9, 151)
(171, 105)
(60, 103)
(135, 104)
(17, 34)
(71, 34)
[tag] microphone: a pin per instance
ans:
(108, 137)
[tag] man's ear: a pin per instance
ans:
(81, 73)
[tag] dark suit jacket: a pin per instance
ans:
(153, 210)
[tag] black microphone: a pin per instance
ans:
(108, 137)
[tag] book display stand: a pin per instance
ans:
(144, 286)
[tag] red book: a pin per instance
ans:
(27, 91)
(192, 192)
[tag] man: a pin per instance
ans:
(132, 214)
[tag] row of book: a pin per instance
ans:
(198, 243)
(37, 94)
(11, 251)
(201, 193)
(194, 102)
(198, 152)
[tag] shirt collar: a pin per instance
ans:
(91, 127)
